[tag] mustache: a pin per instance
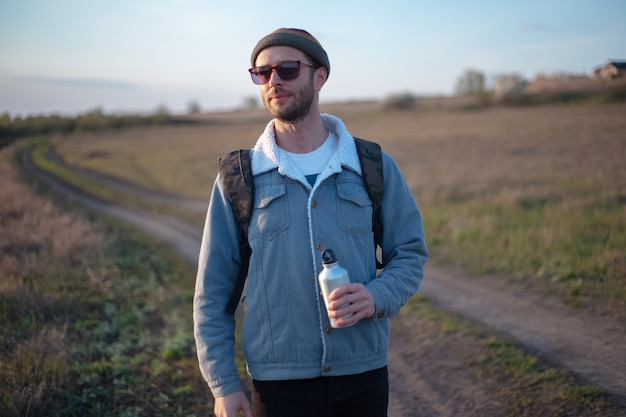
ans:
(280, 90)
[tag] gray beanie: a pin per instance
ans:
(296, 38)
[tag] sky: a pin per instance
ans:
(128, 56)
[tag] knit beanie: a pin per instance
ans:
(296, 38)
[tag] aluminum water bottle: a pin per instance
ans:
(331, 277)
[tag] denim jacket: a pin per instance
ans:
(286, 332)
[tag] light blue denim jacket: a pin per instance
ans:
(286, 332)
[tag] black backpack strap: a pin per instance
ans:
(371, 159)
(236, 172)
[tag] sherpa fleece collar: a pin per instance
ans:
(267, 156)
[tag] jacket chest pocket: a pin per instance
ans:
(270, 212)
(354, 209)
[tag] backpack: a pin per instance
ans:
(236, 172)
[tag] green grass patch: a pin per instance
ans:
(580, 248)
(130, 347)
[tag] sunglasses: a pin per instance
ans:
(286, 70)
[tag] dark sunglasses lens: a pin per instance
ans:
(261, 75)
(288, 70)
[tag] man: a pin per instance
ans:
(308, 196)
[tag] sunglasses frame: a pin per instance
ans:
(256, 77)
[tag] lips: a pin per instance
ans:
(279, 95)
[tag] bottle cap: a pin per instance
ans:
(328, 257)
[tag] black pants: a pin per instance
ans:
(362, 395)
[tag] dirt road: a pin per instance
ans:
(426, 378)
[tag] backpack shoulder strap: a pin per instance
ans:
(371, 159)
(236, 172)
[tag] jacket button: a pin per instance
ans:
(314, 204)
(328, 369)
(319, 246)
(329, 330)
(381, 314)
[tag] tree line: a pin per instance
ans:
(13, 128)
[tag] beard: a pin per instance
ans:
(295, 111)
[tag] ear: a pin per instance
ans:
(321, 75)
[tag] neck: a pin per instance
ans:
(303, 136)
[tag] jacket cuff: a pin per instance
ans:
(380, 310)
(224, 386)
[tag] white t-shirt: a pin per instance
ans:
(313, 163)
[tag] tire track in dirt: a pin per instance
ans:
(422, 382)
(590, 346)
(189, 203)
(183, 237)
(430, 376)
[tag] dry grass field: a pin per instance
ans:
(94, 319)
(526, 193)
(91, 322)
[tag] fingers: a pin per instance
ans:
(351, 299)
(345, 289)
(229, 405)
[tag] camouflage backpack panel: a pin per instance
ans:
(236, 171)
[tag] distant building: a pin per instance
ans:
(611, 70)
(553, 83)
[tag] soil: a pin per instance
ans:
(428, 376)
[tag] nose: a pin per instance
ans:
(275, 78)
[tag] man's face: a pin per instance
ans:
(288, 101)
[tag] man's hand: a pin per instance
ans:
(229, 405)
(351, 298)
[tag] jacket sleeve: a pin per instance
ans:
(404, 248)
(218, 266)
